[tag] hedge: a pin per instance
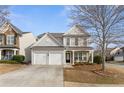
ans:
(83, 63)
(8, 62)
(18, 58)
(97, 59)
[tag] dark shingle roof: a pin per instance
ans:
(13, 26)
(41, 35)
(79, 48)
(53, 34)
(57, 36)
(25, 32)
(17, 29)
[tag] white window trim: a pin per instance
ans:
(77, 39)
(69, 41)
(9, 39)
(1, 40)
(78, 55)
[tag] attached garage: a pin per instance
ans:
(48, 57)
(47, 51)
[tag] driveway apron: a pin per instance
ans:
(34, 76)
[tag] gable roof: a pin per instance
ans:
(77, 30)
(8, 24)
(57, 36)
(115, 50)
(47, 40)
(53, 34)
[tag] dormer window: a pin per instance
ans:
(10, 39)
(68, 42)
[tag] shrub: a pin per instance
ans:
(8, 62)
(83, 63)
(97, 59)
(18, 58)
(78, 63)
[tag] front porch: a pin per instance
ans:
(7, 53)
(78, 56)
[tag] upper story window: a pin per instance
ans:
(10, 39)
(1, 39)
(76, 41)
(68, 41)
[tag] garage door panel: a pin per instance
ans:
(55, 58)
(40, 58)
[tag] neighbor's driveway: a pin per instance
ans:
(118, 67)
(33, 76)
(121, 65)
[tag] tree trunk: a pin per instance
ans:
(103, 52)
(123, 55)
(103, 59)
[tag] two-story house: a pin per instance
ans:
(62, 48)
(14, 42)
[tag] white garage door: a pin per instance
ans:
(118, 58)
(48, 57)
(55, 58)
(40, 58)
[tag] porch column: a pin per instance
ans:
(14, 52)
(73, 57)
(64, 57)
(92, 56)
(0, 54)
(87, 56)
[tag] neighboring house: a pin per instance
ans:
(14, 42)
(109, 57)
(62, 48)
(118, 54)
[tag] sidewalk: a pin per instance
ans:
(76, 84)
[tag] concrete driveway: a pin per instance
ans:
(34, 76)
(115, 65)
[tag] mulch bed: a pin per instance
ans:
(103, 73)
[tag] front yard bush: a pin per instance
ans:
(83, 63)
(18, 58)
(97, 59)
(8, 62)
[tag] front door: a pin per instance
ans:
(68, 57)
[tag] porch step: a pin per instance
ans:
(68, 66)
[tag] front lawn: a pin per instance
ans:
(93, 74)
(4, 68)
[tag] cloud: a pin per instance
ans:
(65, 11)
(15, 15)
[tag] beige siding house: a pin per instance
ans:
(62, 48)
(14, 42)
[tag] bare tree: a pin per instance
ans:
(106, 24)
(4, 12)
